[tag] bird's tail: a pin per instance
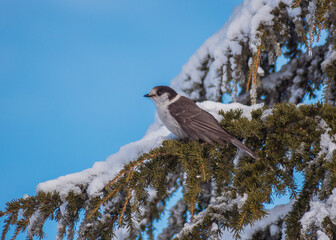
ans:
(243, 147)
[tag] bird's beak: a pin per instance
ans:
(149, 95)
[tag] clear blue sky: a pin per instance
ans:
(73, 74)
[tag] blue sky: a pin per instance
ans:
(73, 74)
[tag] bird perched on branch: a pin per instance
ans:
(187, 121)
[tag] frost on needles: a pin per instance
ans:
(224, 191)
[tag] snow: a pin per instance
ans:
(100, 174)
(294, 12)
(214, 107)
(297, 74)
(34, 220)
(322, 236)
(330, 58)
(318, 211)
(215, 54)
(59, 227)
(95, 178)
(242, 27)
(274, 215)
(223, 203)
(328, 142)
(226, 203)
(296, 90)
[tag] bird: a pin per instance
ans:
(187, 121)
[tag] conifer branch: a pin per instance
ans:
(23, 224)
(5, 230)
(288, 138)
(327, 89)
(203, 170)
(250, 74)
(108, 196)
(241, 220)
(115, 179)
(125, 205)
(256, 65)
(296, 3)
(253, 72)
(136, 163)
(319, 32)
(17, 231)
(192, 206)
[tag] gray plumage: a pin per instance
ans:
(188, 121)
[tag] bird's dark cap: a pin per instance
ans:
(164, 89)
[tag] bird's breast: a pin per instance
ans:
(169, 121)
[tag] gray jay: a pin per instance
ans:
(187, 121)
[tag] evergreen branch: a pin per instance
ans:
(108, 196)
(125, 205)
(176, 220)
(5, 230)
(288, 138)
(130, 172)
(204, 175)
(120, 174)
(22, 226)
(327, 89)
(241, 220)
(253, 72)
(192, 206)
(13, 209)
(305, 39)
(256, 66)
(136, 163)
(224, 211)
(17, 231)
(319, 32)
(296, 3)
(203, 171)
(250, 73)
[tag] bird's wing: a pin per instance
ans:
(201, 125)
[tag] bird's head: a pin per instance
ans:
(161, 94)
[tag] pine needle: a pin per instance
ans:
(101, 203)
(125, 205)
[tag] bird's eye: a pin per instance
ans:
(159, 92)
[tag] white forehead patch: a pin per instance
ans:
(152, 92)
